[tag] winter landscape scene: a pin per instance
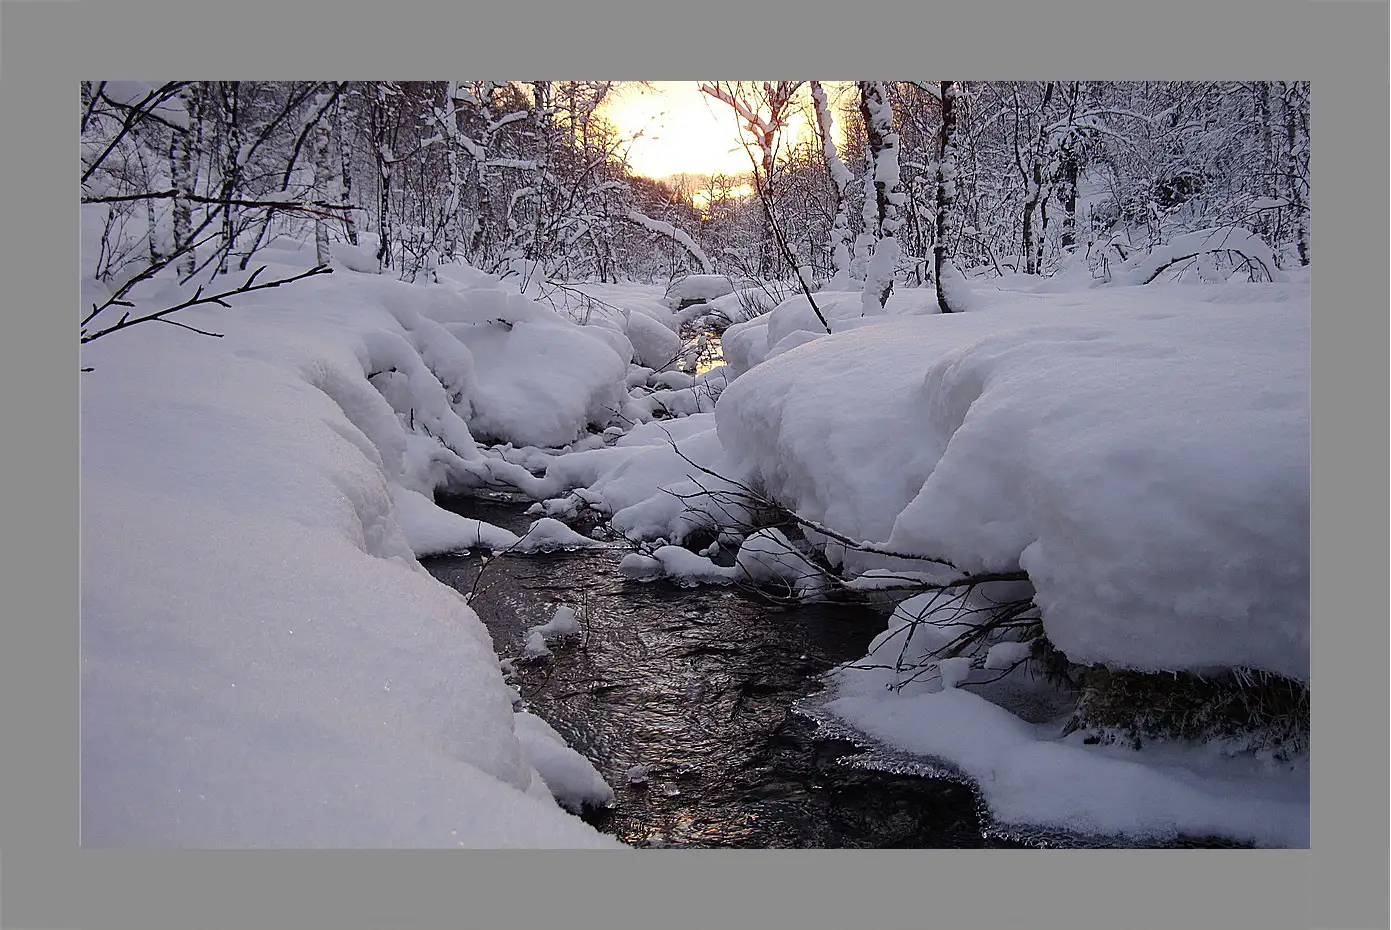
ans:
(724, 464)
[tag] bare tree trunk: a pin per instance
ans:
(456, 183)
(1070, 169)
(1269, 170)
(1033, 240)
(482, 220)
(767, 253)
(544, 119)
(385, 161)
(326, 183)
(882, 195)
(181, 173)
(231, 170)
(151, 238)
(345, 156)
(1297, 161)
(775, 97)
(479, 238)
(840, 183)
(946, 188)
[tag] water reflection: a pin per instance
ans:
(712, 356)
(699, 686)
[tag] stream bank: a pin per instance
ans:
(698, 686)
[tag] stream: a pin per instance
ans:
(699, 686)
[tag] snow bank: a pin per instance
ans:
(569, 776)
(655, 346)
(1145, 463)
(652, 481)
(698, 287)
(541, 379)
(1030, 778)
(432, 531)
(264, 662)
(1143, 453)
(547, 534)
(766, 556)
(699, 396)
(1145, 267)
(793, 322)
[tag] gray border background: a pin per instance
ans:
(47, 882)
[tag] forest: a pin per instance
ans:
(992, 178)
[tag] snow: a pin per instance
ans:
(698, 287)
(687, 569)
(1030, 778)
(562, 623)
(765, 558)
(264, 662)
(739, 306)
(547, 534)
(655, 346)
(1141, 452)
(541, 383)
(666, 229)
(569, 776)
(431, 531)
(638, 567)
(793, 322)
(541, 380)
(769, 556)
(354, 257)
(1167, 536)
(1003, 655)
(651, 481)
(1143, 268)
(536, 646)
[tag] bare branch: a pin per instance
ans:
(199, 298)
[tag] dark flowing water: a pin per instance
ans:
(698, 685)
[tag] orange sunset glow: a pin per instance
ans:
(685, 131)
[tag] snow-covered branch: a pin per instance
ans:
(671, 232)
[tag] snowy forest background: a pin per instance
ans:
(529, 178)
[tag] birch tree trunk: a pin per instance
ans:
(883, 198)
(385, 160)
(151, 238)
(450, 118)
(345, 157)
(231, 170)
(181, 173)
(840, 184)
(1033, 238)
(326, 183)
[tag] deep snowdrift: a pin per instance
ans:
(1146, 461)
(1142, 453)
(264, 663)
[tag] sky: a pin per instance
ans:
(684, 131)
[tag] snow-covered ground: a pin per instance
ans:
(265, 663)
(1141, 452)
